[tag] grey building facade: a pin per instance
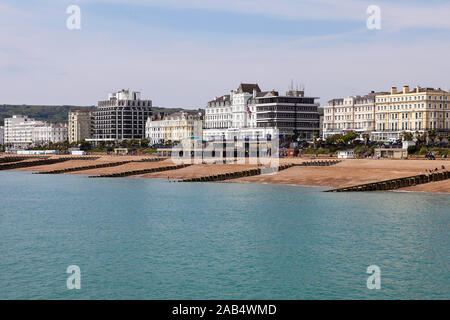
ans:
(294, 115)
(121, 117)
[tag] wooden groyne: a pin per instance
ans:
(151, 159)
(17, 159)
(398, 183)
(82, 168)
(318, 163)
(40, 162)
(25, 164)
(238, 174)
(97, 166)
(139, 172)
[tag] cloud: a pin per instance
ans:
(421, 14)
(43, 65)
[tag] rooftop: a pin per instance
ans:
(222, 98)
(248, 88)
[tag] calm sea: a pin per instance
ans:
(151, 239)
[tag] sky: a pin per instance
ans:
(183, 53)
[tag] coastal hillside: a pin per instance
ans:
(57, 113)
(44, 113)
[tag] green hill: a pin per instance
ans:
(45, 113)
(57, 113)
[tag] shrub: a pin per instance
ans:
(412, 149)
(423, 151)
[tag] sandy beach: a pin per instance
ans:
(354, 172)
(344, 174)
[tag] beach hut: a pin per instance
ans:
(121, 151)
(391, 153)
(346, 154)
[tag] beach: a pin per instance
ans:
(347, 173)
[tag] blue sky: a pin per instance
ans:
(185, 52)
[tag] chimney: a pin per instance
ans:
(254, 93)
(417, 89)
(393, 90)
(405, 89)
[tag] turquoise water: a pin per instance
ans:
(151, 239)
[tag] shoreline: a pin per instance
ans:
(348, 172)
(402, 190)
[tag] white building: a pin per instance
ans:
(250, 113)
(230, 113)
(174, 127)
(356, 113)
(2, 135)
(21, 131)
(50, 132)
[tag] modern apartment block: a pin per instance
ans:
(121, 117)
(249, 112)
(417, 110)
(355, 113)
(174, 127)
(295, 116)
(21, 131)
(79, 125)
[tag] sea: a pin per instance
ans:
(136, 238)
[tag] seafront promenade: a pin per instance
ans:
(345, 173)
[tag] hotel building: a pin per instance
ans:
(79, 125)
(228, 114)
(121, 117)
(50, 132)
(174, 127)
(21, 131)
(417, 110)
(249, 112)
(355, 113)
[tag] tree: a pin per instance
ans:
(421, 138)
(335, 139)
(407, 136)
(85, 145)
(315, 141)
(339, 140)
(366, 138)
(349, 137)
(145, 143)
(101, 145)
(432, 136)
(124, 143)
